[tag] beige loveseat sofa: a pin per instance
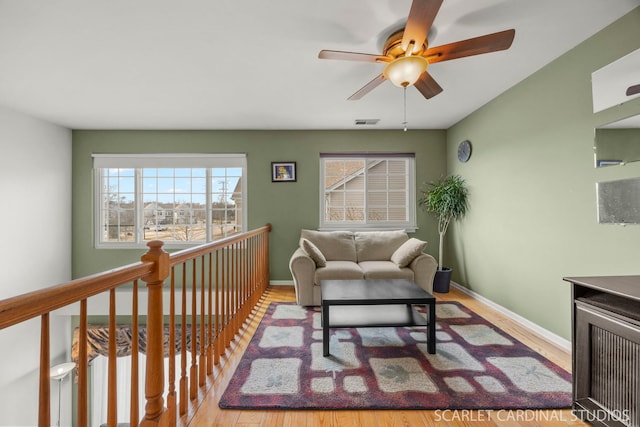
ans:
(325, 255)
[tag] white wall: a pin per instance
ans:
(35, 224)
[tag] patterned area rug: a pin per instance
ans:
(476, 366)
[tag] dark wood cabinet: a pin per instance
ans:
(606, 349)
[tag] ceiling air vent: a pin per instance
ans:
(366, 121)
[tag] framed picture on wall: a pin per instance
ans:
(283, 171)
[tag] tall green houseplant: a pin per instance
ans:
(447, 199)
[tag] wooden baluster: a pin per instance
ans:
(230, 331)
(83, 374)
(227, 298)
(262, 267)
(255, 265)
(258, 261)
(154, 377)
(265, 260)
(254, 268)
(243, 282)
(202, 375)
(216, 319)
(261, 261)
(229, 285)
(171, 396)
(241, 317)
(238, 319)
(210, 320)
(252, 275)
(236, 296)
(247, 276)
(241, 289)
(249, 282)
(258, 254)
(261, 258)
(44, 400)
(134, 417)
(234, 290)
(184, 381)
(193, 372)
(232, 293)
(112, 391)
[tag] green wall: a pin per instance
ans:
(532, 218)
(289, 206)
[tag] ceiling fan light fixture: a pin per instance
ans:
(405, 70)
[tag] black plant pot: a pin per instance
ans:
(442, 280)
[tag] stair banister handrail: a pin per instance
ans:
(27, 306)
(20, 308)
(153, 269)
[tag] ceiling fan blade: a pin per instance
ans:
(421, 17)
(475, 46)
(427, 85)
(351, 56)
(367, 88)
(633, 90)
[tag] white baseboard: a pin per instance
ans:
(546, 334)
(281, 282)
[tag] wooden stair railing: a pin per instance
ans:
(227, 279)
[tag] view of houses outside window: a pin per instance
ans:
(179, 205)
(367, 191)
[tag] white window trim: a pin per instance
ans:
(167, 160)
(160, 160)
(409, 226)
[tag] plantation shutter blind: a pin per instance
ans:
(370, 188)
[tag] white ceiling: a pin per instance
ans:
(252, 64)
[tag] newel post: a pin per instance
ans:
(155, 412)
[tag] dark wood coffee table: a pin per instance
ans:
(375, 303)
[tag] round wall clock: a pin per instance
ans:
(464, 151)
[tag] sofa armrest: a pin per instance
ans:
(424, 268)
(303, 270)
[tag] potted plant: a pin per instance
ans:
(447, 200)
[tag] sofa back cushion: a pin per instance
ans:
(334, 245)
(378, 245)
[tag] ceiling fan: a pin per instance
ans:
(633, 90)
(407, 53)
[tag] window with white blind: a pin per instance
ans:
(181, 199)
(367, 191)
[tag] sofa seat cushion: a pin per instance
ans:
(384, 270)
(378, 245)
(338, 270)
(334, 245)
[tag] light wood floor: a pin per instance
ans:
(209, 414)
